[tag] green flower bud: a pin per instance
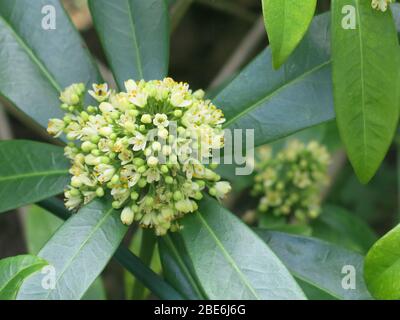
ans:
(95, 139)
(134, 195)
(164, 168)
(95, 152)
(142, 182)
(138, 162)
(141, 169)
(115, 205)
(178, 195)
(146, 118)
(169, 180)
(115, 179)
(149, 201)
(87, 146)
(74, 192)
(100, 192)
(178, 113)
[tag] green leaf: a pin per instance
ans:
(29, 172)
(14, 270)
(36, 63)
(366, 84)
(40, 225)
(382, 267)
(125, 257)
(339, 226)
(78, 251)
(286, 22)
(177, 267)
(277, 103)
(318, 263)
(135, 37)
(230, 261)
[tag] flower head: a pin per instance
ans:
(289, 183)
(145, 147)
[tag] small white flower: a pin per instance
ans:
(120, 194)
(72, 201)
(222, 188)
(88, 196)
(152, 174)
(178, 100)
(160, 120)
(72, 94)
(55, 127)
(106, 107)
(74, 131)
(130, 86)
(125, 156)
(100, 92)
(138, 98)
(104, 172)
(152, 161)
(139, 142)
(129, 175)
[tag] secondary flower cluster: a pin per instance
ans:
(148, 147)
(289, 183)
(381, 5)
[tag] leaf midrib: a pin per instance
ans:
(135, 42)
(364, 133)
(72, 259)
(259, 102)
(34, 174)
(33, 57)
(228, 256)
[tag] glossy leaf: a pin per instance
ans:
(135, 37)
(230, 261)
(40, 225)
(78, 251)
(318, 263)
(29, 172)
(339, 226)
(286, 22)
(14, 270)
(36, 63)
(125, 257)
(277, 103)
(382, 267)
(366, 81)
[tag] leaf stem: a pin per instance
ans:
(147, 246)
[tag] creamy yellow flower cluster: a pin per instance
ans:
(289, 183)
(148, 146)
(381, 5)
